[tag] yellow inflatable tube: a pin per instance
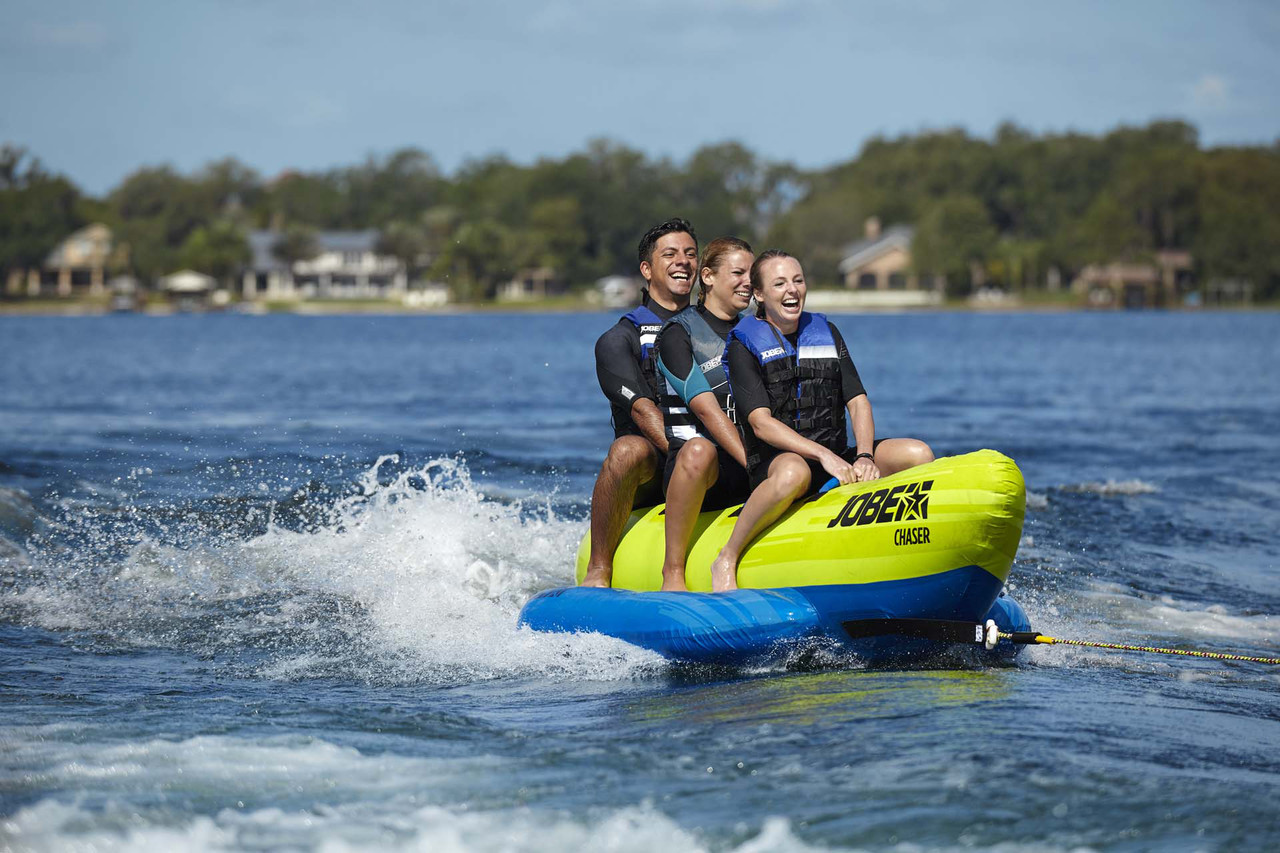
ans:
(955, 512)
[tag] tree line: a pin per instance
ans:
(1003, 209)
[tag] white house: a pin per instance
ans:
(619, 291)
(346, 266)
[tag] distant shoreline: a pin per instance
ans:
(84, 308)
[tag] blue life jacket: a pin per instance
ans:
(803, 381)
(648, 324)
(708, 353)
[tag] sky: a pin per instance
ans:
(98, 88)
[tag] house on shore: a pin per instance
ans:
(877, 270)
(532, 283)
(1223, 292)
(1162, 282)
(620, 291)
(346, 265)
(188, 290)
(77, 265)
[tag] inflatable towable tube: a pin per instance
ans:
(932, 542)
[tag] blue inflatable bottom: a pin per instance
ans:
(758, 625)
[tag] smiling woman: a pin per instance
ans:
(793, 383)
(706, 462)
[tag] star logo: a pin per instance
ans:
(915, 502)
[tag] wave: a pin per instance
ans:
(241, 793)
(17, 512)
(416, 576)
(1113, 487)
(1166, 616)
(1100, 611)
(51, 825)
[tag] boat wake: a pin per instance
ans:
(414, 576)
(260, 794)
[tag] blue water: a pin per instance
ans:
(259, 579)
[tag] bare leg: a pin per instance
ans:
(787, 480)
(630, 462)
(899, 454)
(696, 470)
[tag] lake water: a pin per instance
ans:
(259, 579)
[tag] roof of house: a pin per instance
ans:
(864, 251)
(261, 243)
(187, 281)
(88, 246)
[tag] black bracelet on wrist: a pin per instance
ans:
(864, 456)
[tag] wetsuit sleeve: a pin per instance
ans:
(746, 381)
(675, 360)
(849, 379)
(618, 367)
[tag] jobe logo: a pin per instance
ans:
(905, 502)
(770, 353)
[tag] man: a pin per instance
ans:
(627, 370)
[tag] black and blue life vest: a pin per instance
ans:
(647, 324)
(803, 381)
(708, 353)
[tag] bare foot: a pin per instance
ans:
(724, 574)
(602, 578)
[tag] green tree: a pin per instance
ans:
(219, 249)
(227, 190)
(554, 237)
(408, 242)
(1109, 230)
(37, 210)
(1239, 234)
(476, 259)
(818, 229)
(297, 198)
(295, 243)
(396, 188)
(954, 238)
(157, 209)
(721, 190)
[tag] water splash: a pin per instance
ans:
(1112, 488)
(412, 576)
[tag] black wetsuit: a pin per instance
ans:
(749, 394)
(621, 371)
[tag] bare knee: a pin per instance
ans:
(629, 455)
(790, 476)
(915, 452)
(899, 454)
(697, 459)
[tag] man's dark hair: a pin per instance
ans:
(651, 237)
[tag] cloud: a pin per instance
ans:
(1210, 92)
(314, 110)
(295, 110)
(76, 35)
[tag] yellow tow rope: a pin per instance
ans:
(1028, 637)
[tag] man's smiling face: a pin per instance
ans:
(671, 267)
